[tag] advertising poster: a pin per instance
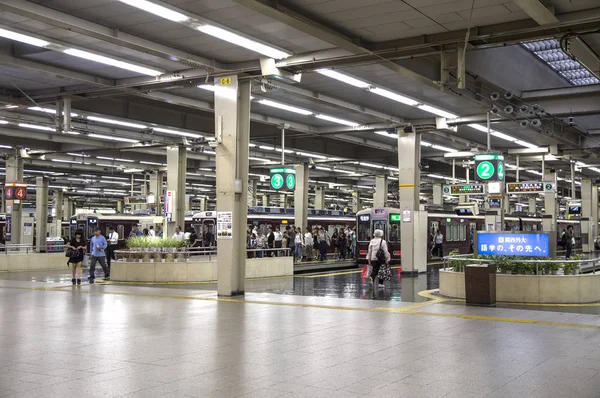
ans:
(224, 225)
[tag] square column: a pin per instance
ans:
(41, 213)
(356, 206)
(156, 187)
(57, 204)
(301, 197)
(283, 201)
(532, 204)
(176, 167)
(438, 196)
(319, 198)
(265, 200)
(413, 229)
(588, 218)
(14, 173)
(232, 127)
(381, 192)
(203, 201)
(68, 207)
(595, 210)
(252, 193)
(550, 206)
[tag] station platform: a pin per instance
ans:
(184, 341)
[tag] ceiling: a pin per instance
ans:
(141, 62)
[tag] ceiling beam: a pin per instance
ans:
(537, 11)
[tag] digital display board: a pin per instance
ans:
(509, 244)
(529, 187)
(395, 217)
(283, 179)
(464, 189)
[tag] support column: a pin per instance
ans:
(156, 187)
(595, 211)
(550, 206)
(2, 200)
(66, 114)
(381, 192)
(301, 197)
(438, 196)
(41, 213)
(413, 229)
(265, 200)
(283, 201)
(120, 206)
(319, 198)
(144, 188)
(176, 166)
(532, 205)
(68, 207)
(188, 203)
(356, 205)
(587, 217)
(232, 127)
(203, 201)
(57, 204)
(14, 173)
(253, 193)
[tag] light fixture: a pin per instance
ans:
(157, 9)
(112, 62)
(112, 138)
(337, 120)
(175, 132)
(286, 151)
(266, 148)
(371, 165)
(66, 161)
(525, 144)
(242, 41)
(386, 134)
(502, 136)
(311, 155)
(133, 170)
(48, 110)
(261, 160)
(285, 107)
(115, 159)
(208, 87)
(78, 154)
(116, 122)
(393, 96)
(150, 163)
(23, 38)
(426, 144)
(343, 78)
(437, 111)
(36, 127)
(6, 146)
(3, 122)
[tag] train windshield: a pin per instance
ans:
(382, 225)
(394, 232)
(363, 232)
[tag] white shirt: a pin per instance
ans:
(278, 236)
(439, 239)
(151, 232)
(374, 247)
(308, 239)
(298, 239)
(179, 236)
(113, 238)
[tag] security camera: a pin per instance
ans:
(213, 144)
(524, 109)
(494, 110)
(536, 122)
(536, 107)
(509, 109)
(524, 123)
(508, 95)
(495, 96)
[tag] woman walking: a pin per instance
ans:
(379, 259)
(77, 246)
(322, 245)
(299, 242)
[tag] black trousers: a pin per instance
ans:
(376, 265)
(569, 251)
(110, 254)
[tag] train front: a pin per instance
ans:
(386, 219)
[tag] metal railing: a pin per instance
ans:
(17, 248)
(519, 266)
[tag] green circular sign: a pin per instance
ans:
(276, 181)
(446, 189)
(290, 181)
(485, 170)
(501, 170)
(548, 187)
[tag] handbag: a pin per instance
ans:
(380, 254)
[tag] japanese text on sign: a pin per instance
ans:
(504, 244)
(224, 225)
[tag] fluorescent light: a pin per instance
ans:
(285, 107)
(151, 163)
(156, 9)
(36, 127)
(6, 146)
(261, 160)
(322, 168)
(111, 138)
(3, 122)
(175, 132)
(116, 122)
(525, 144)
(386, 134)
(478, 127)
(66, 161)
(286, 151)
(208, 87)
(343, 78)
(425, 143)
(112, 62)
(115, 159)
(266, 148)
(11, 106)
(242, 41)
(115, 178)
(71, 132)
(393, 96)
(78, 154)
(438, 176)
(503, 136)
(23, 38)
(48, 110)
(133, 170)
(251, 145)
(311, 155)
(338, 121)
(443, 148)
(437, 111)
(371, 165)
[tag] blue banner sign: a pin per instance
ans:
(510, 244)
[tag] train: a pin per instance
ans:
(51, 228)
(455, 229)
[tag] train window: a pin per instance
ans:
(363, 233)
(394, 232)
(463, 232)
(448, 233)
(382, 225)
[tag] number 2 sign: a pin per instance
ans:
(489, 167)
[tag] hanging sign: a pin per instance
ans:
(15, 191)
(283, 179)
(511, 244)
(530, 187)
(169, 198)
(464, 189)
(8, 232)
(224, 225)
(489, 167)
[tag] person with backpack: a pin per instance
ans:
(75, 251)
(570, 241)
(379, 259)
(563, 239)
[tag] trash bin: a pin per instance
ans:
(480, 284)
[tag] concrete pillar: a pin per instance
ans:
(283, 200)
(176, 166)
(319, 198)
(301, 197)
(587, 216)
(66, 114)
(413, 228)
(232, 127)
(505, 204)
(356, 206)
(203, 201)
(156, 187)
(381, 192)
(550, 205)
(532, 204)
(438, 196)
(120, 206)
(265, 200)
(253, 193)
(57, 204)
(14, 173)
(595, 210)
(41, 213)
(188, 203)
(68, 207)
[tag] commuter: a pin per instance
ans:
(308, 245)
(336, 243)
(291, 243)
(342, 240)
(113, 241)
(322, 245)
(438, 242)
(278, 241)
(378, 257)
(261, 243)
(563, 239)
(159, 231)
(135, 231)
(193, 238)
(316, 245)
(145, 233)
(570, 241)
(77, 247)
(472, 241)
(208, 237)
(151, 231)
(253, 244)
(298, 243)
(97, 246)
(179, 235)
(271, 241)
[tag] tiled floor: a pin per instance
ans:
(135, 341)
